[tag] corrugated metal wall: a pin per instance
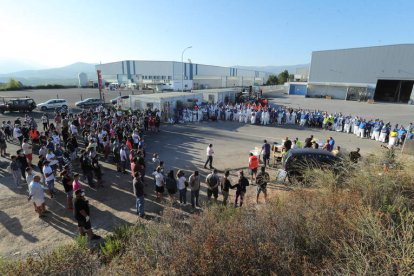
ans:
(363, 65)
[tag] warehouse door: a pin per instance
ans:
(397, 91)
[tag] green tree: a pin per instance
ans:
(272, 80)
(14, 85)
(291, 77)
(283, 77)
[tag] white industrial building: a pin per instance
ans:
(175, 76)
(382, 73)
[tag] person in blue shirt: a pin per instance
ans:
(362, 126)
(402, 133)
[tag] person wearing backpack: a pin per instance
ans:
(213, 182)
(240, 189)
(261, 181)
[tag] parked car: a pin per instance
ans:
(18, 104)
(297, 161)
(89, 102)
(53, 104)
(115, 100)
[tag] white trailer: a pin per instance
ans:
(224, 95)
(167, 103)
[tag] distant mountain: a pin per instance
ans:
(275, 69)
(8, 65)
(67, 75)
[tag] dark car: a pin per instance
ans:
(89, 102)
(19, 105)
(297, 161)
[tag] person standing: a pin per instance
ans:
(182, 186)
(253, 165)
(194, 182)
(81, 213)
(37, 194)
(266, 153)
(138, 186)
(159, 182)
(225, 187)
(45, 122)
(261, 182)
(171, 185)
(287, 144)
(210, 153)
(49, 177)
(240, 189)
(14, 169)
(22, 162)
(213, 182)
(67, 185)
(27, 151)
(123, 158)
(29, 175)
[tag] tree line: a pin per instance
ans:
(279, 79)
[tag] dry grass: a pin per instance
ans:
(362, 224)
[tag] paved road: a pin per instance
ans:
(389, 112)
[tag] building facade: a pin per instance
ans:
(172, 75)
(382, 73)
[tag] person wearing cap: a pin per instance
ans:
(37, 195)
(81, 213)
(213, 182)
(49, 177)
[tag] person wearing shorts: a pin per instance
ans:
(81, 212)
(159, 182)
(261, 181)
(37, 195)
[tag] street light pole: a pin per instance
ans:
(182, 64)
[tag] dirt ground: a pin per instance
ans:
(23, 233)
(180, 146)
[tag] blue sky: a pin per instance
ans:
(234, 32)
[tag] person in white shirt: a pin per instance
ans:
(210, 153)
(182, 186)
(123, 157)
(27, 150)
(159, 182)
(37, 195)
(45, 122)
(51, 157)
(29, 175)
(49, 177)
(73, 130)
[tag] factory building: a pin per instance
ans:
(381, 73)
(173, 76)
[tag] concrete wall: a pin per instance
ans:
(363, 65)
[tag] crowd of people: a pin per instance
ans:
(103, 134)
(69, 149)
(256, 113)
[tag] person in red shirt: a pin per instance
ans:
(253, 165)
